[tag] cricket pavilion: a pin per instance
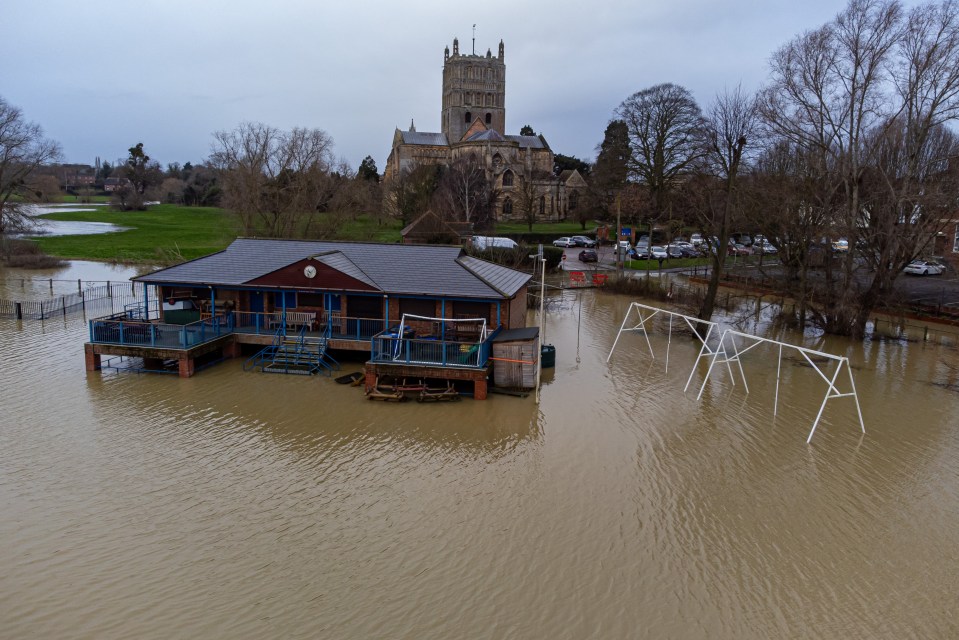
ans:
(426, 311)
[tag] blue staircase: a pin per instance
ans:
(300, 354)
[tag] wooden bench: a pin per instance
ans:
(294, 319)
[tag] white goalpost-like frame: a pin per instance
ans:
(484, 330)
(721, 355)
(832, 392)
(691, 321)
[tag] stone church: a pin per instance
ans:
(473, 121)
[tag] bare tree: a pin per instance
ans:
(527, 196)
(22, 149)
(663, 123)
(863, 99)
(467, 194)
(729, 126)
(410, 194)
(271, 177)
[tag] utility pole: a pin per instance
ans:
(619, 235)
(542, 326)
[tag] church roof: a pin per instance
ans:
(490, 134)
(534, 142)
(424, 137)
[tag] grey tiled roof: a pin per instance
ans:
(489, 134)
(507, 281)
(434, 270)
(338, 260)
(528, 141)
(424, 137)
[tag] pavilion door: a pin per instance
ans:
(256, 302)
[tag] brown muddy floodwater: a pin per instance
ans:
(244, 505)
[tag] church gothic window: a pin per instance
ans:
(489, 118)
(508, 179)
(542, 204)
(507, 206)
(468, 117)
(573, 200)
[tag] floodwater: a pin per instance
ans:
(245, 505)
(45, 227)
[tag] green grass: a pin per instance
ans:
(169, 233)
(67, 198)
(163, 234)
(672, 263)
(364, 229)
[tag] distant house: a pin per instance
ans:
(399, 303)
(112, 184)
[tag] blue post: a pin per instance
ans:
(146, 302)
(153, 335)
(121, 333)
(443, 324)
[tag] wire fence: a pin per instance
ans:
(95, 296)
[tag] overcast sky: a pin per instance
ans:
(101, 76)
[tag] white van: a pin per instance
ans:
(486, 242)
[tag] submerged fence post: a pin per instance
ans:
(79, 286)
(63, 305)
(19, 311)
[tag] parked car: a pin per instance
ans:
(658, 252)
(737, 249)
(564, 242)
(840, 246)
(764, 248)
(924, 268)
(588, 255)
(675, 251)
(583, 241)
(741, 238)
(696, 239)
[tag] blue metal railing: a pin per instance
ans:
(121, 329)
(389, 347)
(345, 328)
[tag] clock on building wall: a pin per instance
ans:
(309, 271)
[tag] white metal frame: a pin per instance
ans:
(484, 330)
(832, 392)
(691, 321)
(720, 355)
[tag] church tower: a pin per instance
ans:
(473, 87)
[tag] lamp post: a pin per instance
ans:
(542, 300)
(619, 235)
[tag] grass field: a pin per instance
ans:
(169, 233)
(163, 234)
